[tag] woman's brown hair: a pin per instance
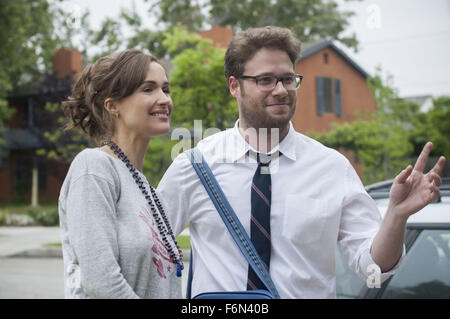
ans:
(115, 76)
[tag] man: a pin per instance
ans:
(311, 200)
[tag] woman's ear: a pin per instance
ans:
(235, 88)
(111, 107)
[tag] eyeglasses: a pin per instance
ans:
(269, 82)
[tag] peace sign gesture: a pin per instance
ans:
(412, 189)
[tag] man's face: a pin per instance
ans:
(265, 109)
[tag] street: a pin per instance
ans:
(28, 269)
(36, 278)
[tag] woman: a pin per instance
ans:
(116, 239)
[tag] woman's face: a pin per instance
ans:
(146, 113)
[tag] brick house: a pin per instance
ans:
(333, 89)
(20, 167)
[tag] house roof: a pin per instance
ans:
(418, 99)
(309, 48)
(425, 101)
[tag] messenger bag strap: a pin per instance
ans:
(230, 220)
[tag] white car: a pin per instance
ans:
(425, 271)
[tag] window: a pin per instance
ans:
(328, 92)
(425, 271)
(327, 95)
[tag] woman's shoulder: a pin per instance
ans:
(92, 161)
(91, 156)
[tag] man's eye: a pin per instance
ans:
(265, 80)
(288, 80)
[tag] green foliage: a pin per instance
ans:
(26, 35)
(184, 241)
(112, 36)
(59, 144)
(158, 158)
(435, 126)
(25, 216)
(198, 87)
(27, 44)
(186, 12)
(45, 217)
(5, 115)
(179, 38)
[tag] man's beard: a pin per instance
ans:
(258, 119)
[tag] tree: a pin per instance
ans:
(434, 126)
(308, 19)
(158, 158)
(111, 37)
(173, 12)
(27, 44)
(198, 86)
(27, 37)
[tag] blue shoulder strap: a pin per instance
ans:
(230, 220)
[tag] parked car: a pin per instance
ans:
(425, 270)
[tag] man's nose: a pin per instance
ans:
(279, 89)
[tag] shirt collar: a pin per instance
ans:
(240, 146)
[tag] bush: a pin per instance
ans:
(3, 218)
(48, 217)
(29, 217)
(9, 219)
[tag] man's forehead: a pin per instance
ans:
(269, 61)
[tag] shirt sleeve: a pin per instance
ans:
(173, 191)
(360, 222)
(91, 224)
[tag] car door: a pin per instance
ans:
(424, 273)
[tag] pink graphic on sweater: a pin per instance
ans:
(158, 247)
(159, 267)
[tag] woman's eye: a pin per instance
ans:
(148, 90)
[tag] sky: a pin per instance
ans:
(408, 39)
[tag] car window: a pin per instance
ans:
(425, 271)
(348, 284)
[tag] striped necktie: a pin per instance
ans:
(261, 194)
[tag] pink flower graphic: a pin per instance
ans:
(159, 267)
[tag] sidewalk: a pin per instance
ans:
(29, 241)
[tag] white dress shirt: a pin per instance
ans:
(318, 200)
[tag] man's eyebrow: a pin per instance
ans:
(273, 74)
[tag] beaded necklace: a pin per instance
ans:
(163, 231)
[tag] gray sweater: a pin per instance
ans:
(111, 245)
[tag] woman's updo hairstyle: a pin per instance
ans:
(115, 76)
